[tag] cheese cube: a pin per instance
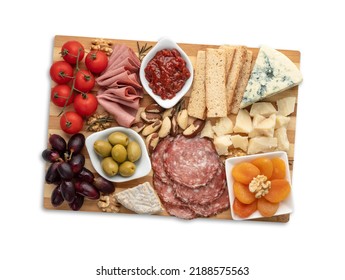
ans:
(282, 138)
(282, 121)
(222, 143)
(262, 108)
(286, 106)
(207, 131)
(243, 122)
(263, 126)
(223, 126)
(262, 144)
(240, 142)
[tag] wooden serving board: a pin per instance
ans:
(191, 50)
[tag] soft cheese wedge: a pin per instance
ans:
(273, 72)
(141, 199)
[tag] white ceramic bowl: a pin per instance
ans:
(143, 165)
(166, 43)
(285, 207)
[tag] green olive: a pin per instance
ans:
(109, 166)
(133, 151)
(127, 169)
(118, 138)
(102, 148)
(119, 153)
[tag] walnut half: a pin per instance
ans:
(260, 186)
(108, 203)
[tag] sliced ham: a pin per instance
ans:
(120, 89)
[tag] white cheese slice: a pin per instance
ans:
(262, 108)
(282, 121)
(263, 126)
(223, 126)
(273, 72)
(243, 123)
(141, 199)
(240, 142)
(282, 138)
(262, 144)
(286, 106)
(222, 143)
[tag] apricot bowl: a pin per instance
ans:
(285, 206)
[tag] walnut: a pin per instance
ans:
(236, 153)
(99, 121)
(260, 186)
(108, 203)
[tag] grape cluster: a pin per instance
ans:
(73, 180)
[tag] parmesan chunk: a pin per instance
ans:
(222, 143)
(282, 138)
(263, 126)
(262, 144)
(282, 121)
(243, 122)
(240, 142)
(207, 131)
(286, 106)
(262, 108)
(223, 126)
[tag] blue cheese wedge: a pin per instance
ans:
(141, 199)
(272, 73)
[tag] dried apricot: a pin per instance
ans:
(243, 194)
(267, 208)
(279, 169)
(244, 172)
(244, 210)
(265, 165)
(280, 189)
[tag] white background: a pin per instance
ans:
(41, 244)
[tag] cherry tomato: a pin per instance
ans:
(96, 61)
(69, 51)
(60, 94)
(71, 122)
(61, 72)
(84, 81)
(85, 104)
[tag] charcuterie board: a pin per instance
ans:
(191, 50)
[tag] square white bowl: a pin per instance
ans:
(285, 207)
(166, 43)
(143, 165)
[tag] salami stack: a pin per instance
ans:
(189, 177)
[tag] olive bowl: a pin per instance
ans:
(166, 43)
(143, 164)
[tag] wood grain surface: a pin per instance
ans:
(191, 50)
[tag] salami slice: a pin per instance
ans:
(166, 192)
(191, 162)
(157, 160)
(180, 211)
(203, 195)
(217, 206)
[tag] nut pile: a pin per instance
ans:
(260, 186)
(102, 45)
(99, 122)
(157, 123)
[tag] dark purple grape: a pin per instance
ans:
(57, 143)
(65, 171)
(77, 163)
(103, 185)
(85, 175)
(67, 190)
(50, 155)
(52, 175)
(86, 189)
(77, 202)
(76, 143)
(56, 197)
